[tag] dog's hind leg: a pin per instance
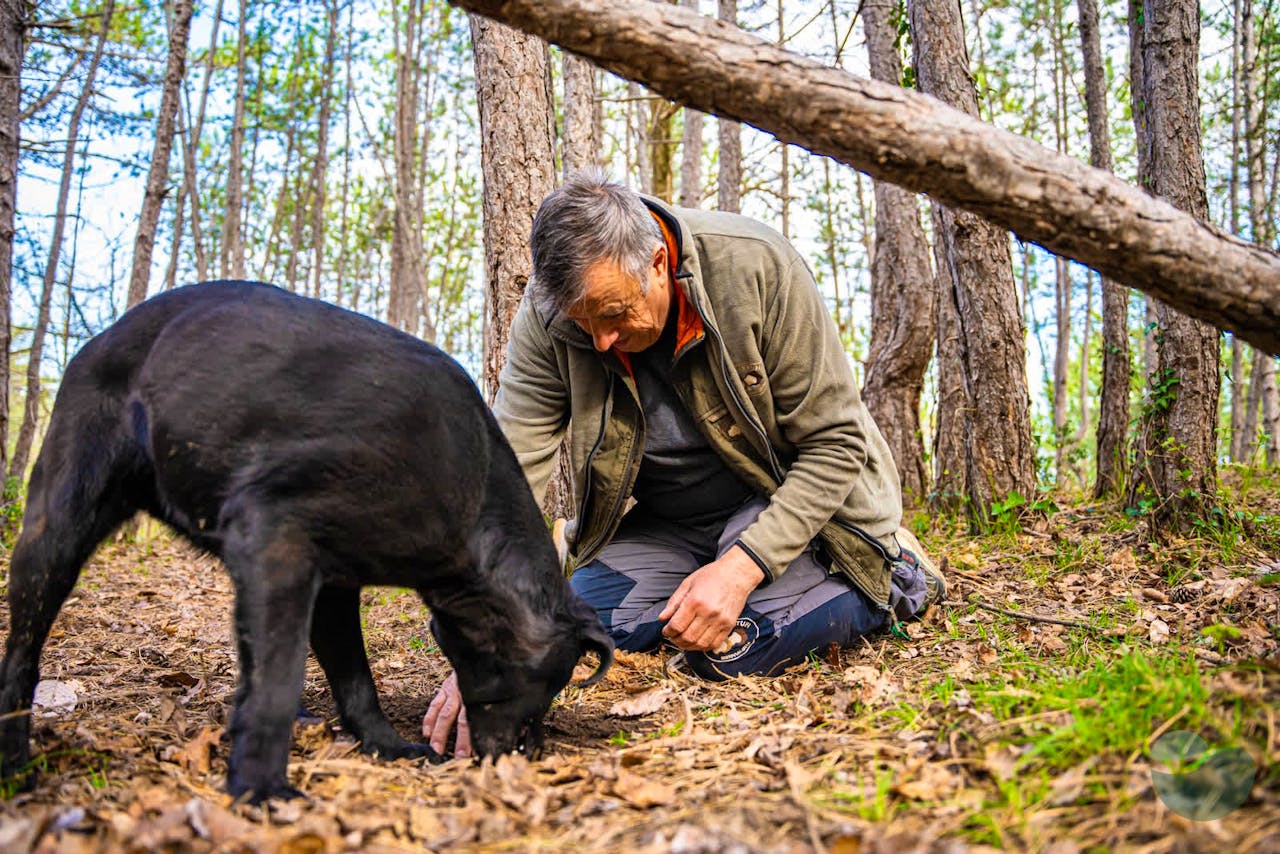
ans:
(83, 486)
(338, 644)
(273, 568)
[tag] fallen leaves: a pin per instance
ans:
(196, 757)
(638, 705)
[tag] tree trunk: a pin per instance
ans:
(405, 306)
(903, 296)
(659, 132)
(580, 144)
(1113, 406)
(158, 176)
(191, 146)
(513, 86)
(31, 408)
(231, 259)
(1255, 108)
(1265, 366)
(1176, 466)
(1253, 400)
(321, 167)
(13, 22)
(1061, 364)
(1236, 443)
(341, 276)
(638, 125)
(905, 137)
(976, 271)
(691, 151)
(729, 134)
(1236, 451)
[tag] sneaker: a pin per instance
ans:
(935, 584)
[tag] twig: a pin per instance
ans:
(1018, 615)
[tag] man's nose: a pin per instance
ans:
(603, 339)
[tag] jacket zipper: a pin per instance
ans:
(628, 477)
(733, 391)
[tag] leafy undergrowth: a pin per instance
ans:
(1020, 715)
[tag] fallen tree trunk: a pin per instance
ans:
(917, 142)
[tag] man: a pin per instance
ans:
(694, 363)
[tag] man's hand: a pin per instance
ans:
(445, 710)
(707, 604)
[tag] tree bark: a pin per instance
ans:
(321, 167)
(13, 23)
(1113, 407)
(1176, 461)
(158, 176)
(691, 151)
(580, 144)
(191, 146)
(912, 140)
(231, 258)
(1061, 364)
(405, 306)
(1235, 453)
(729, 136)
(976, 271)
(31, 408)
(903, 296)
(1261, 226)
(513, 86)
(1266, 368)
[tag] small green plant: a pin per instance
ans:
(622, 739)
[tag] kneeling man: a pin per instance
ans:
(734, 497)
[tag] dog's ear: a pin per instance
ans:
(594, 639)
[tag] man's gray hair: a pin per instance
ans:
(587, 219)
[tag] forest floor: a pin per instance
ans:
(1025, 713)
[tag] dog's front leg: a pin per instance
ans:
(338, 644)
(276, 586)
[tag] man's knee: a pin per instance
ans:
(768, 650)
(605, 589)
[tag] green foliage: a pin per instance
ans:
(12, 505)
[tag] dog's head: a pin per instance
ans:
(507, 691)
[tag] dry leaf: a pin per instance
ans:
(1123, 561)
(1001, 761)
(642, 792)
(196, 756)
(934, 784)
(1158, 631)
(54, 697)
(641, 704)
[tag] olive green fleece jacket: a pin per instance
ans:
(766, 380)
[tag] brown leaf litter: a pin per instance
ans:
(847, 754)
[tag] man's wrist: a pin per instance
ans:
(766, 575)
(745, 565)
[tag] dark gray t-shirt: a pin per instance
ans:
(681, 478)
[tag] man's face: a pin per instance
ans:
(614, 311)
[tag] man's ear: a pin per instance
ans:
(659, 266)
(594, 639)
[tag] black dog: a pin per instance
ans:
(314, 451)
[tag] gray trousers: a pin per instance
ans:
(801, 612)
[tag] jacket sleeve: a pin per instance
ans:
(819, 413)
(532, 402)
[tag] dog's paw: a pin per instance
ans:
(250, 794)
(402, 750)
